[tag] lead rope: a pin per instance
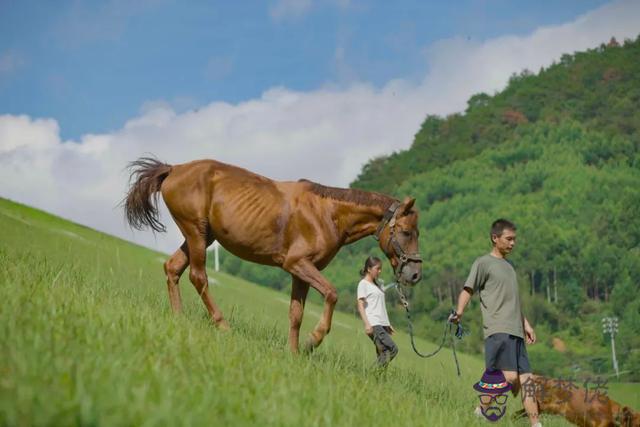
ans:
(448, 330)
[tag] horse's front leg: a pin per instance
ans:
(299, 290)
(197, 246)
(307, 272)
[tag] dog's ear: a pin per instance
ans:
(627, 417)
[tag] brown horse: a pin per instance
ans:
(298, 226)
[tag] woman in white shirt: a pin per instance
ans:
(373, 311)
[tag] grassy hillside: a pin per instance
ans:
(88, 339)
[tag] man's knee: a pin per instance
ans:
(511, 377)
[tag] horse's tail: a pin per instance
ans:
(141, 203)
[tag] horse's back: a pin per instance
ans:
(253, 216)
(199, 176)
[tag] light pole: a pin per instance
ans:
(610, 326)
(216, 248)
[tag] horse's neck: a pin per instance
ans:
(361, 222)
(356, 213)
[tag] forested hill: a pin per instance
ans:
(599, 88)
(558, 153)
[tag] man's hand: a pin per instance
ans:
(368, 329)
(391, 330)
(455, 317)
(529, 333)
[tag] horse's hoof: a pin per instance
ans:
(294, 351)
(223, 326)
(309, 346)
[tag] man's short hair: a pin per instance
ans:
(499, 225)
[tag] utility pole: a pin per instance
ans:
(610, 326)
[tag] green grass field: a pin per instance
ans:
(87, 338)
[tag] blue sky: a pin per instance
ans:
(93, 65)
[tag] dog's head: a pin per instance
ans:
(627, 417)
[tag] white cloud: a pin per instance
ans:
(84, 23)
(21, 131)
(343, 4)
(218, 68)
(325, 135)
(10, 61)
(289, 9)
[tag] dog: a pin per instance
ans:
(579, 405)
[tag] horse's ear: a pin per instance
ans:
(407, 205)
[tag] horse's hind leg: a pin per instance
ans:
(299, 290)
(197, 244)
(173, 268)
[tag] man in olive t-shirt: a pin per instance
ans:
(505, 328)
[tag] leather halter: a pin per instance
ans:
(404, 258)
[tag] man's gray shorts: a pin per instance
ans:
(506, 352)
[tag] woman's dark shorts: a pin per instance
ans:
(507, 353)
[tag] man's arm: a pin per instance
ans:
(463, 300)
(368, 329)
(474, 280)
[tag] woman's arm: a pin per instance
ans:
(368, 329)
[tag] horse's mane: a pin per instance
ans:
(352, 195)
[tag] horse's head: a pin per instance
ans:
(398, 237)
